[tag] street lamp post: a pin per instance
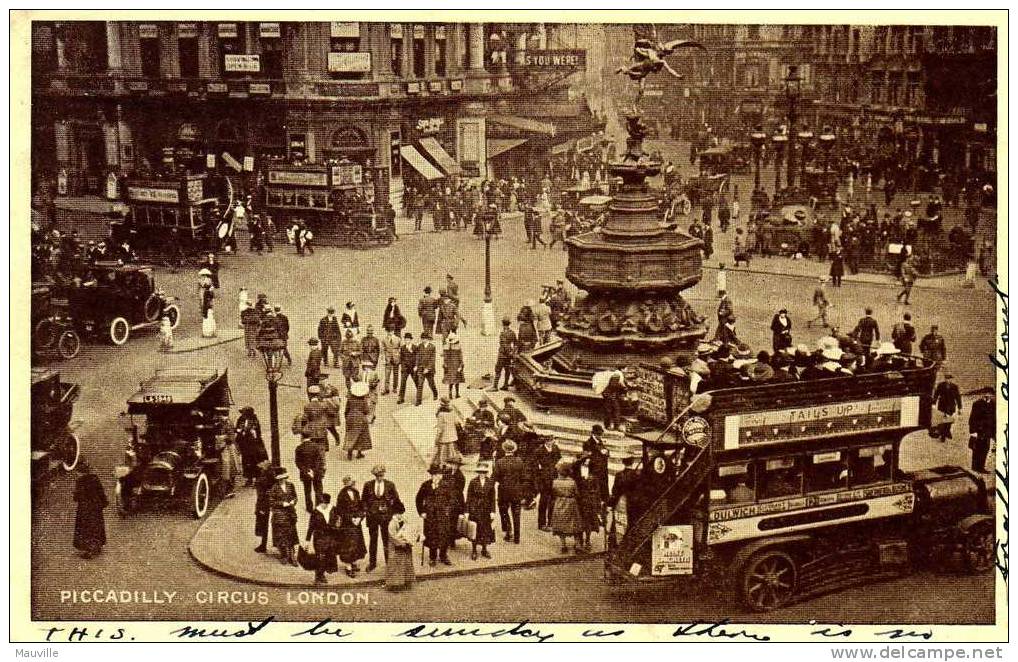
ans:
(271, 347)
(779, 139)
(793, 90)
(805, 136)
(488, 308)
(758, 138)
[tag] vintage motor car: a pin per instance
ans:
(52, 327)
(116, 299)
(179, 423)
(54, 442)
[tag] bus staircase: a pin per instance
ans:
(685, 487)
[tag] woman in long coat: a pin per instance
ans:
(346, 517)
(587, 499)
(452, 365)
(251, 321)
(480, 505)
(358, 431)
(446, 434)
(249, 442)
(399, 569)
(323, 535)
(565, 512)
(265, 481)
(89, 524)
(283, 502)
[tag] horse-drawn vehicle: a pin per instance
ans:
(179, 422)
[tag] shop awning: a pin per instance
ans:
(498, 146)
(420, 164)
(524, 124)
(439, 155)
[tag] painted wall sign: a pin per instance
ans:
(349, 62)
(145, 194)
(552, 59)
(344, 30)
(241, 62)
(298, 178)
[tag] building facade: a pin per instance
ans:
(409, 102)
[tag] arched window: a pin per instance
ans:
(348, 138)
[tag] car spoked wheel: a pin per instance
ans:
(120, 331)
(173, 312)
(978, 553)
(200, 495)
(768, 581)
(44, 335)
(69, 344)
(153, 304)
(70, 452)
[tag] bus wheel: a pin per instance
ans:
(768, 580)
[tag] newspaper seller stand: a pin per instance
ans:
(164, 210)
(335, 201)
(783, 490)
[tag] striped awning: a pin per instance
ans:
(498, 146)
(440, 156)
(419, 163)
(524, 124)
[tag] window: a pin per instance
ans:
(440, 50)
(272, 58)
(396, 48)
(346, 38)
(149, 46)
(826, 471)
(188, 57)
(753, 32)
(779, 478)
(736, 483)
(870, 466)
(418, 51)
(231, 45)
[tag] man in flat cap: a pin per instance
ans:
(508, 345)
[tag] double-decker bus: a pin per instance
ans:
(784, 490)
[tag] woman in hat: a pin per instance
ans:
(452, 365)
(266, 479)
(358, 431)
(446, 434)
(480, 505)
(565, 512)
(781, 331)
(248, 434)
(399, 569)
(527, 333)
(322, 534)
(283, 504)
(346, 517)
(89, 524)
(251, 321)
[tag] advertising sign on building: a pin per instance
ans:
(552, 59)
(259, 88)
(396, 30)
(227, 31)
(241, 62)
(429, 125)
(350, 62)
(187, 30)
(347, 174)
(195, 190)
(148, 31)
(248, 164)
(672, 550)
(418, 31)
(269, 30)
(344, 30)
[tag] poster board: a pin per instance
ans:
(672, 550)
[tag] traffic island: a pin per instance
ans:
(225, 544)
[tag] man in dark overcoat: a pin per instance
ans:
(379, 498)
(310, 460)
(480, 504)
(509, 474)
(331, 336)
(546, 458)
(982, 428)
(438, 503)
(313, 371)
(89, 524)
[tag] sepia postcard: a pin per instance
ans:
(510, 326)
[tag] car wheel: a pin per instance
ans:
(768, 580)
(152, 307)
(44, 335)
(69, 344)
(200, 495)
(122, 499)
(173, 312)
(70, 452)
(120, 331)
(978, 553)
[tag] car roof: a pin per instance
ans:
(182, 385)
(122, 268)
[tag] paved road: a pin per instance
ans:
(148, 550)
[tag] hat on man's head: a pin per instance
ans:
(378, 469)
(312, 341)
(314, 389)
(506, 321)
(508, 399)
(456, 460)
(330, 309)
(509, 446)
(597, 428)
(359, 389)
(434, 469)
